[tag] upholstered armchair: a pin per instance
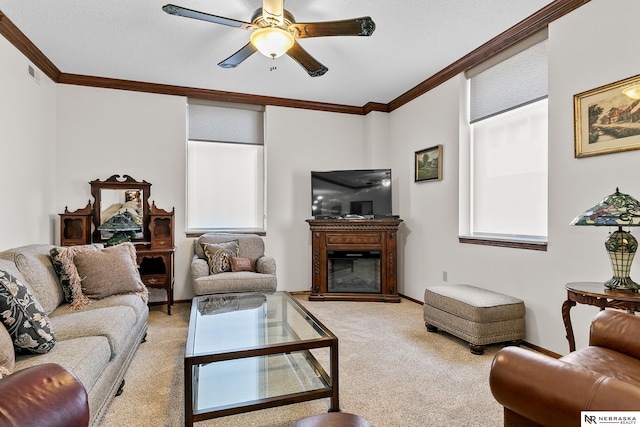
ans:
(226, 263)
(538, 390)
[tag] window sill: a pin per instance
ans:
(506, 242)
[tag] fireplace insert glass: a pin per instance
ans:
(353, 272)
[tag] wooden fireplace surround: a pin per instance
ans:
(354, 235)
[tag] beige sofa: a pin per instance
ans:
(96, 342)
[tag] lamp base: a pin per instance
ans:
(622, 284)
(119, 237)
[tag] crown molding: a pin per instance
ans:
(208, 94)
(518, 32)
(513, 35)
(17, 38)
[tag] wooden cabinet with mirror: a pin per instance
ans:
(123, 200)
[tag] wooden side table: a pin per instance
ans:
(156, 269)
(594, 293)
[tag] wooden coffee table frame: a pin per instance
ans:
(331, 379)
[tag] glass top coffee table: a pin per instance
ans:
(253, 351)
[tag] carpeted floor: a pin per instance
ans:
(392, 372)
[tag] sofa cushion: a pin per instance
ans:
(86, 357)
(109, 271)
(137, 304)
(240, 264)
(607, 362)
(113, 323)
(11, 268)
(242, 281)
(34, 263)
(23, 317)
(7, 354)
(219, 255)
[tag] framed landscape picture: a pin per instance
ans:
(607, 119)
(429, 164)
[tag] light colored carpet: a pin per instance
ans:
(392, 372)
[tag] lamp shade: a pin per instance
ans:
(120, 222)
(123, 226)
(617, 209)
(272, 42)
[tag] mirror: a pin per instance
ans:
(123, 202)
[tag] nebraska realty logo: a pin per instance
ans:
(617, 418)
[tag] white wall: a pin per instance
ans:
(27, 145)
(297, 142)
(590, 47)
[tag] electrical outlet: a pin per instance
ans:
(444, 276)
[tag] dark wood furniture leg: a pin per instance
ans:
(566, 318)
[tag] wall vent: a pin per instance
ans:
(33, 72)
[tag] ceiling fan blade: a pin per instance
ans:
(308, 62)
(273, 11)
(236, 59)
(349, 27)
(172, 9)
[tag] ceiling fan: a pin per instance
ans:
(274, 33)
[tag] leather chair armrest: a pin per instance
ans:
(617, 331)
(199, 267)
(551, 392)
(266, 264)
(43, 395)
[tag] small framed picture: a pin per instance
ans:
(429, 164)
(607, 118)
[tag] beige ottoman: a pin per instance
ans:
(475, 315)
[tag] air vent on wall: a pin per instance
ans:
(33, 72)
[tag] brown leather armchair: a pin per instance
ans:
(538, 390)
(43, 395)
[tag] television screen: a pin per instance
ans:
(365, 193)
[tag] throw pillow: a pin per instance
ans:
(240, 264)
(7, 354)
(109, 271)
(219, 255)
(62, 260)
(24, 318)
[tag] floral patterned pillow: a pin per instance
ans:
(24, 318)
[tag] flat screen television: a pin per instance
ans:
(351, 193)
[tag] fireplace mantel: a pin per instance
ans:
(354, 235)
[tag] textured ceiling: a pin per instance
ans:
(136, 40)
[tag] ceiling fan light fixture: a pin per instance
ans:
(272, 42)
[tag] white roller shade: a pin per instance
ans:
(213, 122)
(513, 81)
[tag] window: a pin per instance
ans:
(506, 147)
(225, 168)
